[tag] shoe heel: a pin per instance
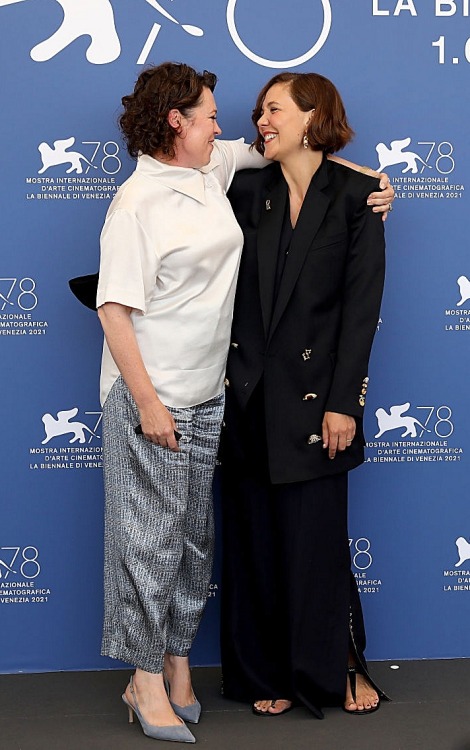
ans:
(130, 710)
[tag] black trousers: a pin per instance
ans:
(290, 607)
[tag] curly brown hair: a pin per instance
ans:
(329, 130)
(144, 122)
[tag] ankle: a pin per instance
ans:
(178, 675)
(176, 666)
(147, 683)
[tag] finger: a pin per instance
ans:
(172, 443)
(155, 438)
(325, 434)
(151, 437)
(381, 196)
(379, 204)
(351, 433)
(384, 180)
(333, 447)
(160, 439)
(380, 207)
(384, 211)
(342, 442)
(384, 197)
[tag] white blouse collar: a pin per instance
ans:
(184, 180)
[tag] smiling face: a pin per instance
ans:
(196, 133)
(281, 124)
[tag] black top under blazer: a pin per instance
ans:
(311, 345)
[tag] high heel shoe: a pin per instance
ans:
(172, 733)
(191, 713)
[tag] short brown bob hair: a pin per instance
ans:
(144, 122)
(328, 130)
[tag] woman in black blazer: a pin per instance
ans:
(307, 306)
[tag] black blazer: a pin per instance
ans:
(312, 349)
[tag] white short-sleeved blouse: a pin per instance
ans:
(170, 249)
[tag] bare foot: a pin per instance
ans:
(366, 696)
(179, 678)
(279, 706)
(150, 694)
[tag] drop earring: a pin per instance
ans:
(305, 142)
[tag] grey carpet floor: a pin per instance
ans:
(430, 710)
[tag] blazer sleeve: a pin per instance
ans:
(361, 298)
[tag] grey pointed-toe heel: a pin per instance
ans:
(172, 733)
(191, 713)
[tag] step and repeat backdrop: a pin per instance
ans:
(403, 68)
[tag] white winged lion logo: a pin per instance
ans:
(397, 419)
(53, 156)
(62, 426)
(388, 157)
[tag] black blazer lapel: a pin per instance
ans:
(312, 213)
(269, 232)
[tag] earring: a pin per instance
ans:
(305, 140)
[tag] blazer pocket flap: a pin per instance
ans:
(332, 239)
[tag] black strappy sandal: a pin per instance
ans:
(257, 712)
(352, 672)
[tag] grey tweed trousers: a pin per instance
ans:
(159, 531)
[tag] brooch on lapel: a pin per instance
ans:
(268, 205)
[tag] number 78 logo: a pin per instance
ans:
(18, 292)
(28, 567)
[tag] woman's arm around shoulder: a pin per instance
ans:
(381, 202)
(234, 156)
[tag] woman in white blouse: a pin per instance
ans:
(170, 251)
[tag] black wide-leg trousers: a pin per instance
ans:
(290, 604)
